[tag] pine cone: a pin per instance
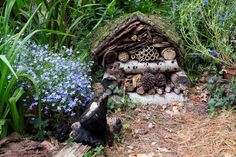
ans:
(160, 80)
(148, 81)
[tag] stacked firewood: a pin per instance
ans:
(144, 61)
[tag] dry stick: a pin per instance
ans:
(135, 67)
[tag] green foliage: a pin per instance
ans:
(10, 111)
(39, 125)
(206, 27)
(121, 102)
(94, 152)
(220, 95)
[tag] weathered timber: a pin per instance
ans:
(180, 80)
(115, 30)
(109, 58)
(109, 79)
(135, 67)
(140, 90)
(168, 53)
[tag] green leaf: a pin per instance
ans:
(6, 62)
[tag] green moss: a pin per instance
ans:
(155, 21)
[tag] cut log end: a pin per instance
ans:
(168, 53)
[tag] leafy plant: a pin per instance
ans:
(9, 94)
(64, 80)
(222, 95)
(121, 101)
(94, 152)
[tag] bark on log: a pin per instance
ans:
(168, 53)
(135, 67)
(109, 79)
(128, 84)
(140, 90)
(137, 80)
(156, 99)
(159, 90)
(167, 89)
(177, 90)
(109, 58)
(152, 91)
(180, 80)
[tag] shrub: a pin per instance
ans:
(206, 27)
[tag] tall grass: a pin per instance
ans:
(10, 112)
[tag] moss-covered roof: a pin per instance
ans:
(155, 21)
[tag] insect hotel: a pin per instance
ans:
(142, 55)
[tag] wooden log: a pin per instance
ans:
(152, 91)
(167, 89)
(135, 67)
(109, 58)
(140, 90)
(123, 57)
(168, 53)
(180, 79)
(137, 80)
(128, 84)
(156, 99)
(159, 91)
(177, 90)
(72, 150)
(109, 79)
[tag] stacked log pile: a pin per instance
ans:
(141, 59)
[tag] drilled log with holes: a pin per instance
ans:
(135, 67)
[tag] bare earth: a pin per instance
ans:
(177, 130)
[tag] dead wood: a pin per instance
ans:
(135, 67)
(180, 80)
(168, 53)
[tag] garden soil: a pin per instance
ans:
(177, 130)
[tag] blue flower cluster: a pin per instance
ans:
(64, 83)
